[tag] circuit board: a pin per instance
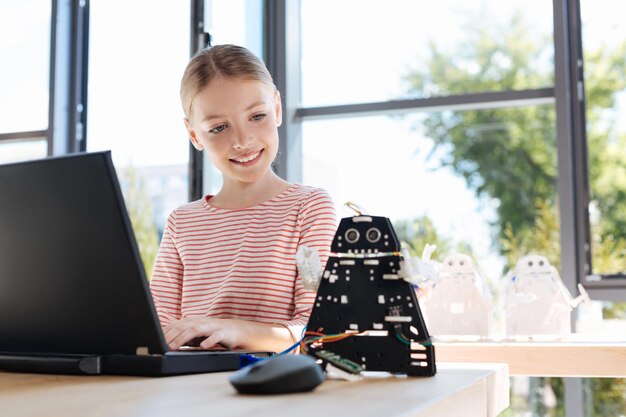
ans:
(363, 297)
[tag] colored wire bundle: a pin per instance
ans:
(309, 338)
(306, 342)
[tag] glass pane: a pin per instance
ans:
(606, 397)
(22, 151)
(603, 321)
(417, 50)
(238, 22)
(482, 183)
(604, 44)
(134, 106)
(536, 397)
(25, 69)
(479, 182)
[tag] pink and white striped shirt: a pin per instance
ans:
(240, 263)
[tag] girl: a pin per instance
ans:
(225, 271)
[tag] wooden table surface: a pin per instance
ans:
(574, 356)
(456, 390)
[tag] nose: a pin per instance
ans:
(242, 138)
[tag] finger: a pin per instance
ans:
(213, 340)
(184, 332)
(172, 332)
(185, 336)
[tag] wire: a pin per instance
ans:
(401, 337)
(290, 348)
(295, 345)
(323, 338)
(359, 211)
(403, 340)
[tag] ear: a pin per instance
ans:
(278, 109)
(192, 135)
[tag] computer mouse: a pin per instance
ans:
(278, 374)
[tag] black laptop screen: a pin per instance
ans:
(71, 279)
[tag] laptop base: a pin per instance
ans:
(136, 365)
(170, 364)
(48, 364)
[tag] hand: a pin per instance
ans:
(230, 333)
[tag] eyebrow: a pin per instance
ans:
(219, 116)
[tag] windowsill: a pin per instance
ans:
(577, 355)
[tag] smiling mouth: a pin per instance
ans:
(247, 159)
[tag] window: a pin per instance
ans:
(137, 54)
(604, 53)
(487, 154)
(476, 200)
(24, 78)
(604, 49)
(371, 61)
(14, 151)
(413, 103)
(236, 22)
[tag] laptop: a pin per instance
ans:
(74, 297)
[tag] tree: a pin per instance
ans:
(509, 155)
(505, 154)
(416, 233)
(141, 216)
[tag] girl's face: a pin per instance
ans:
(236, 122)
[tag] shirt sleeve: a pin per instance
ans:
(318, 224)
(167, 276)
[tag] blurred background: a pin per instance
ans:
(494, 129)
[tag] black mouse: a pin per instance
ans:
(278, 374)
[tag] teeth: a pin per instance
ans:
(250, 158)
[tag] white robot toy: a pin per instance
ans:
(536, 302)
(459, 303)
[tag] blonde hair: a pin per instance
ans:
(221, 60)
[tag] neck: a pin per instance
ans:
(237, 194)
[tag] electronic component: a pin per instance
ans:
(339, 362)
(278, 374)
(364, 312)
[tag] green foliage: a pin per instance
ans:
(505, 154)
(614, 311)
(605, 72)
(608, 396)
(141, 216)
(543, 238)
(415, 234)
(509, 155)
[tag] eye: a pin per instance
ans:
(373, 235)
(217, 129)
(258, 117)
(352, 235)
